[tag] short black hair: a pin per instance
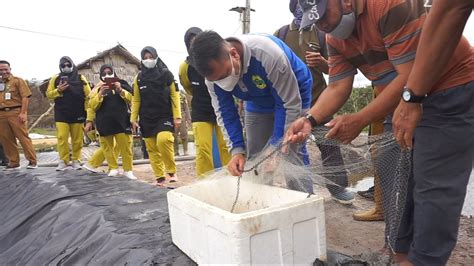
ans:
(4, 62)
(207, 46)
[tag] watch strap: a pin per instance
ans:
(311, 119)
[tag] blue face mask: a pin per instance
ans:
(298, 15)
(345, 27)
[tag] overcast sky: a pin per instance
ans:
(135, 24)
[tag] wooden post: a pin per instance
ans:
(51, 107)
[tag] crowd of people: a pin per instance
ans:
(420, 66)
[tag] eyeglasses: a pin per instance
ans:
(66, 65)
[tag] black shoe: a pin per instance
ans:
(3, 163)
(368, 194)
(160, 180)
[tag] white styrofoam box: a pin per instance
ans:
(270, 225)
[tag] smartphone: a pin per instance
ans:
(110, 81)
(64, 79)
(315, 47)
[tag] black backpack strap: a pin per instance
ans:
(282, 32)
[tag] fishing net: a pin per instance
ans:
(321, 162)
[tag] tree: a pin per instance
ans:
(360, 97)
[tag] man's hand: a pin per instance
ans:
(405, 119)
(345, 128)
(22, 117)
(314, 59)
(236, 164)
(88, 126)
(135, 127)
(298, 131)
(177, 123)
(63, 86)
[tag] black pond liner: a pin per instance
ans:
(77, 217)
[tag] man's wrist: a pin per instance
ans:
(237, 150)
(311, 119)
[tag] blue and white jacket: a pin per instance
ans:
(273, 80)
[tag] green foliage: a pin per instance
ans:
(360, 97)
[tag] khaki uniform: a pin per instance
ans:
(10, 126)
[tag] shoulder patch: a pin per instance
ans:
(259, 82)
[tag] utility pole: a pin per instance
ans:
(244, 15)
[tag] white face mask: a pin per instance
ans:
(66, 70)
(345, 27)
(108, 76)
(228, 83)
(149, 63)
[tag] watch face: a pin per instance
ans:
(406, 95)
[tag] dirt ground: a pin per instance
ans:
(344, 235)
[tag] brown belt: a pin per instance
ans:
(9, 108)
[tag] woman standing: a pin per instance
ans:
(110, 104)
(70, 92)
(202, 114)
(156, 107)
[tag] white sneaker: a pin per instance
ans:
(91, 168)
(61, 166)
(129, 174)
(76, 165)
(113, 172)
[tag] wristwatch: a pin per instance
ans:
(409, 97)
(311, 119)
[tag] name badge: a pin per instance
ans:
(2, 86)
(8, 96)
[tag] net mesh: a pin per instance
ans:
(322, 162)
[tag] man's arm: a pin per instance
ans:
(24, 109)
(441, 34)
(228, 118)
(332, 99)
(25, 94)
(388, 99)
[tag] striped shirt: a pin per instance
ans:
(274, 80)
(387, 34)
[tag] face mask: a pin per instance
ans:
(345, 27)
(149, 63)
(108, 76)
(66, 70)
(228, 83)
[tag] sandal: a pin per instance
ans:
(173, 177)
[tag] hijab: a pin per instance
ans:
(188, 36)
(74, 78)
(159, 75)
